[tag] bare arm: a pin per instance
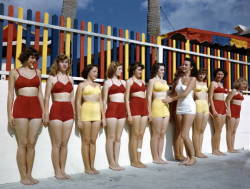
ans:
(72, 96)
(229, 98)
(190, 87)
(105, 94)
(127, 96)
(210, 96)
(40, 93)
(149, 94)
(48, 89)
(10, 98)
(102, 110)
(78, 102)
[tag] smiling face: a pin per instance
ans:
(219, 76)
(201, 76)
(63, 65)
(243, 86)
(186, 67)
(32, 60)
(138, 72)
(119, 71)
(161, 71)
(93, 73)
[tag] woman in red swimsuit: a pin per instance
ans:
(61, 117)
(137, 109)
(114, 104)
(216, 98)
(233, 102)
(25, 114)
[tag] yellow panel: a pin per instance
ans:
(238, 66)
(229, 71)
(218, 54)
(19, 38)
(198, 57)
(108, 47)
(143, 55)
(174, 58)
(68, 38)
(187, 47)
(126, 55)
(246, 68)
(208, 67)
(89, 49)
(45, 44)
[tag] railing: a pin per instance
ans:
(87, 43)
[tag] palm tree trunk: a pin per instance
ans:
(153, 18)
(69, 8)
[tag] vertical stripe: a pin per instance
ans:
(218, 54)
(208, 67)
(198, 57)
(19, 37)
(89, 48)
(237, 65)
(45, 44)
(226, 65)
(147, 62)
(229, 70)
(114, 54)
(1, 34)
(212, 63)
(153, 51)
(61, 46)
(37, 31)
(108, 49)
(120, 54)
(232, 75)
(178, 55)
(54, 40)
(68, 38)
(102, 61)
(202, 65)
(143, 54)
(137, 53)
(174, 59)
(165, 60)
(158, 41)
(126, 55)
(187, 47)
(81, 49)
(245, 68)
(182, 54)
(170, 41)
(96, 45)
(215, 61)
(132, 49)
(75, 49)
(28, 28)
(10, 39)
(205, 59)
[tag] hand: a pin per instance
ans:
(104, 124)
(228, 113)
(167, 100)
(46, 120)
(11, 121)
(130, 119)
(79, 124)
(149, 118)
(215, 114)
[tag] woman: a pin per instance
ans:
(137, 109)
(202, 112)
(233, 102)
(216, 97)
(158, 111)
(26, 113)
(114, 104)
(89, 115)
(61, 117)
(186, 108)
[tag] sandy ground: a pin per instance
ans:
(223, 172)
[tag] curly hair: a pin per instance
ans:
(134, 66)
(60, 58)
(87, 69)
(155, 69)
(219, 70)
(238, 83)
(112, 68)
(202, 71)
(30, 51)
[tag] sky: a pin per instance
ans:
(214, 15)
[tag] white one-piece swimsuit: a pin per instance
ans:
(185, 105)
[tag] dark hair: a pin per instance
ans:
(87, 69)
(24, 56)
(179, 73)
(219, 70)
(60, 58)
(155, 68)
(193, 65)
(202, 71)
(112, 68)
(133, 67)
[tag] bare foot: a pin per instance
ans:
(136, 164)
(26, 181)
(201, 155)
(185, 161)
(66, 176)
(114, 168)
(120, 168)
(142, 165)
(180, 158)
(233, 151)
(59, 177)
(164, 161)
(218, 153)
(95, 171)
(33, 181)
(192, 161)
(89, 171)
(157, 161)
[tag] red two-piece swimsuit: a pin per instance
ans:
(27, 106)
(138, 106)
(220, 105)
(235, 109)
(62, 111)
(116, 109)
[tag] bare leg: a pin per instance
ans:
(21, 129)
(66, 131)
(219, 121)
(142, 127)
(164, 127)
(229, 126)
(119, 129)
(95, 127)
(203, 127)
(55, 130)
(237, 121)
(85, 136)
(155, 137)
(34, 127)
(178, 141)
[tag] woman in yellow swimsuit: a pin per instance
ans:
(89, 115)
(158, 111)
(202, 112)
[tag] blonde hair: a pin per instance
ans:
(54, 68)
(112, 68)
(238, 83)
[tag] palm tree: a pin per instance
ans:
(69, 8)
(153, 18)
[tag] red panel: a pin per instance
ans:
(120, 53)
(137, 50)
(10, 39)
(227, 70)
(61, 36)
(102, 57)
(170, 61)
(82, 48)
(153, 51)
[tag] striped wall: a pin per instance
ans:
(86, 48)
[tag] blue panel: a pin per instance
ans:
(54, 40)
(132, 49)
(114, 51)
(75, 50)
(28, 27)
(96, 62)
(165, 58)
(1, 34)
(147, 60)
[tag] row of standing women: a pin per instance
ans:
(117, 102)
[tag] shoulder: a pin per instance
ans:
(129, 81)
(38, 72)
(71, 79)
(193, 79)
(123, 82)
(108, 82)
(13, 73)
(151, 81)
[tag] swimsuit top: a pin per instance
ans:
(114, 89)
(220, 90)
(180, 88)
(238, 97)
(137, 88)
(90, 90)
(201, 88)
(160, 87)
(22, 81)
(60, 87)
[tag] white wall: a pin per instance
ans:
(43, 166)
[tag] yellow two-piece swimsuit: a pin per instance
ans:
(159, 109)
(90, 110)
(201, 105)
